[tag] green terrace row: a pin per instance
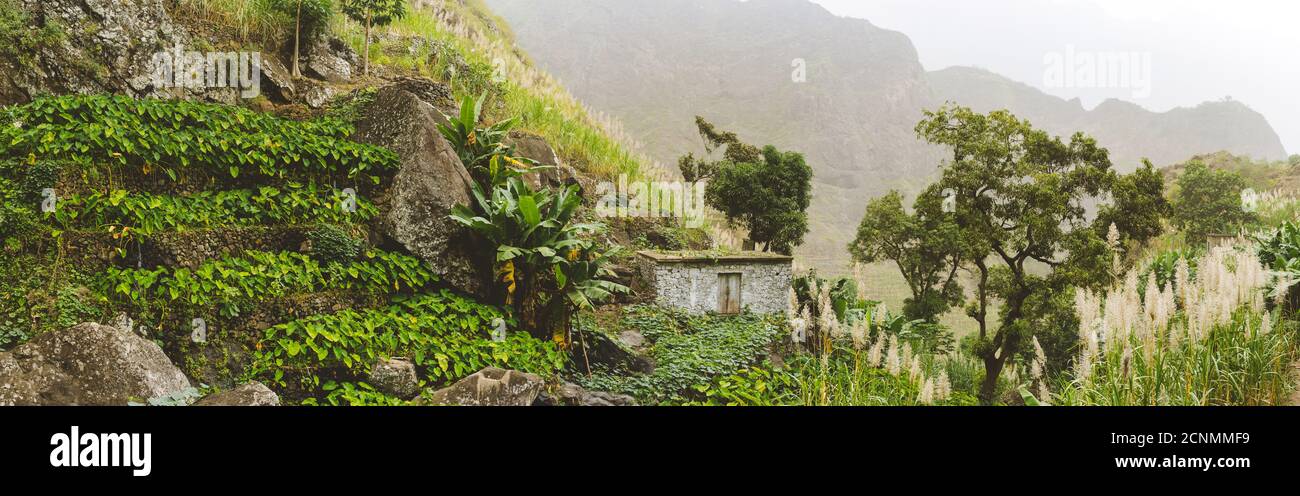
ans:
(232, 285)
(145, 214)
(170, 136)
(448, 337)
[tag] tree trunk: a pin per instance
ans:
(1006, 344)
(365, 57)
(297, 35)
(992, 369)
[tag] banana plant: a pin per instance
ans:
(535, 236)
(477, 146)
(584, 276)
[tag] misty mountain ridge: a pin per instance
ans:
(1128, 130)
(655, 65)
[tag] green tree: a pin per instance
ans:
(1208, 201)
(1138, 208)
(1019, 199)
(1294, 160)
(372, 13)
(311, 17)
(1056, 326)
(925, 246)
(734, 151)
(769, 197)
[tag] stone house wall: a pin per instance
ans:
(693, 285)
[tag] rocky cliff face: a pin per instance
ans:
(60, 47)
(654, 65)
(84, 46)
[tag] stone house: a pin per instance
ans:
(701, 282)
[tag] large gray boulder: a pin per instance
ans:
(107, 46)
(89, 364)
(534, 147)
(277, 82)
(429, 183)
(330, 60)
(251, 394)
(491, 387)
(553, 173)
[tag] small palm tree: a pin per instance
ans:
(310, 17)
(371, 13)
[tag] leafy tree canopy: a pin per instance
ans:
(375, 12)
(925, 246)
(315, 14)
(1139, 205)
(1208, 201)
(698, 169)
(1018, 198)
(769, 197)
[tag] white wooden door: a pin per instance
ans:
(729, 294)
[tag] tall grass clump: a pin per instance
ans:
(460, 43)
(255, 21)
(1198, 339)
(869, 357)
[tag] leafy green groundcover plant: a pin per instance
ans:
(144, 214)
(16, 217)
(688, 351)
(234, 284)
(325, 358)
(169, 136)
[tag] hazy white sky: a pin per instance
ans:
(1200, 49)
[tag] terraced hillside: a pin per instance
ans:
(300, 239)
(240, 241)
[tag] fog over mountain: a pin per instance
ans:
(655, 65)
(1129, 131)
(1199, 50)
